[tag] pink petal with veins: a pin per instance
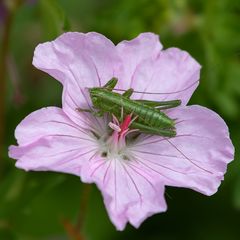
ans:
(196, 158)
(49, 141)
(174, 74)
(78, 61)
(133, 53)
(130, 192)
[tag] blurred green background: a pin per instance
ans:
(37, 205)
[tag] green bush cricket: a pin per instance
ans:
(148, 116)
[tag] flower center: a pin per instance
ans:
(114, 146)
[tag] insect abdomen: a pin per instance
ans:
(147, 115)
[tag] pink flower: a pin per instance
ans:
(131, 174)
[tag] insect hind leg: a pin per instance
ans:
(160, 104)
(164, 132)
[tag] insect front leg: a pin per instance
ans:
(96, 114)
(84, 110)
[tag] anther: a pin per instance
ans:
(114, 126)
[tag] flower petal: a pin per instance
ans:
(174, 75)
(78, 61)
(196, 158)
(49, 140)
(130, 193)
(133, 53)
(87, 57)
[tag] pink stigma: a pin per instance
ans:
(125, 124)
(121, 129)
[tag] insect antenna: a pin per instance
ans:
(182, 90)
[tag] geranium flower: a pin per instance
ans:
(131, 173)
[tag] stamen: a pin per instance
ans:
(122, 113)
(114, 126)
(133, 130)
(115, 120)
(116, 143)
(133, 119)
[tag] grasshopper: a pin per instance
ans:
(149, 118)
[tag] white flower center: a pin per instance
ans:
(115, 146)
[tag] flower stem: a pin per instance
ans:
(75, 231)
(71, 230)
(83, 206)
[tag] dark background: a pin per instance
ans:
(37, 205)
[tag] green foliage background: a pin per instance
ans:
(35, 205)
